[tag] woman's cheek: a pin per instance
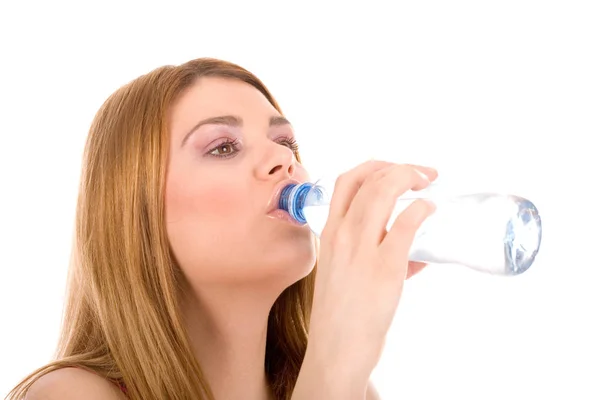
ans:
(218, 201)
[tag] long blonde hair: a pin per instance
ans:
(121, 316)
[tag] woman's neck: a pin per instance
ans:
(228, 330)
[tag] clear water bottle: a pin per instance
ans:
(493, 233)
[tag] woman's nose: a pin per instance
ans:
(279, 162)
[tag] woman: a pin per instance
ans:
(188, 283)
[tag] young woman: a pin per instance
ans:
(188, 283)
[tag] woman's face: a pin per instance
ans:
(223, 181)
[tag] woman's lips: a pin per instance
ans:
(274, 200)
(284, 216)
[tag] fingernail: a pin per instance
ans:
(432, 205)
(423, 176)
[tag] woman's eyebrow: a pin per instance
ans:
(231, 120)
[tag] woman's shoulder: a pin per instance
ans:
(73, 384)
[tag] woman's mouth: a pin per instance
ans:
(284, 216)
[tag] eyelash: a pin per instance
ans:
(291, 143)
(233, 143)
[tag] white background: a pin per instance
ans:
(498, 93)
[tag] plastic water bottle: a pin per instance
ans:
(489, 232)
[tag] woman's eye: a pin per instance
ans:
(291, 143)
(226, 149)
(222, 150)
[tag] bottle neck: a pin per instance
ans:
(295, 197)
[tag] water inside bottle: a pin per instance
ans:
(316, 217)
(490, 233)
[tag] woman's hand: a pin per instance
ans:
(361, 272)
